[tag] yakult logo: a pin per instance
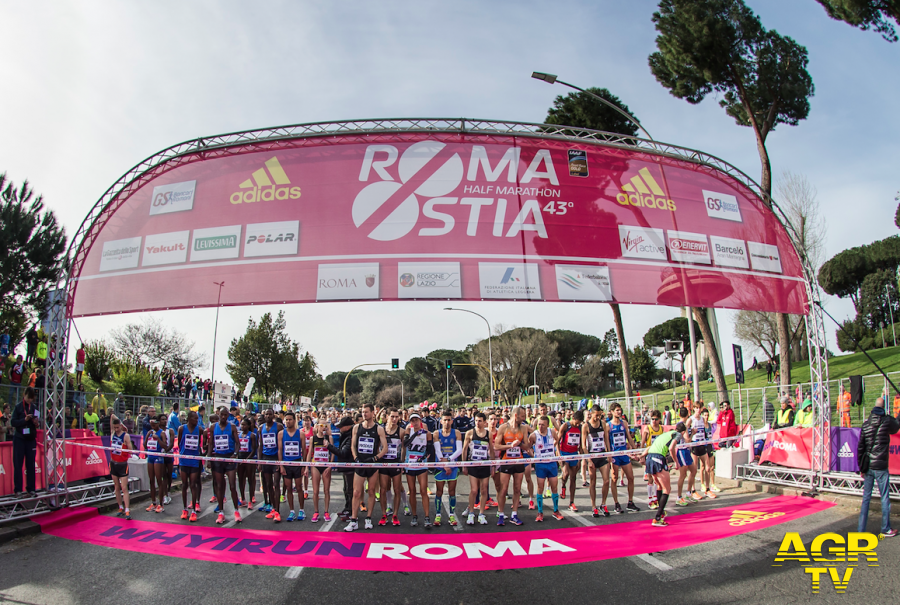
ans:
(443, 171)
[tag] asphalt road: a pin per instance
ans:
(45, 569)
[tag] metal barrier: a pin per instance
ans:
(839, 483)
(19, 508)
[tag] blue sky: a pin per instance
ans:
(92, 88)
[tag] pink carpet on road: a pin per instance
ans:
(478, 548)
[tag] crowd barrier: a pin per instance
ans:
(793, 448)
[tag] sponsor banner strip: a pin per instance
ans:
(420, 552)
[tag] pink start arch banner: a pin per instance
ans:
(451, 216)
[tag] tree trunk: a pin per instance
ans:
(715, 362)
(623, 350)
(784, 348)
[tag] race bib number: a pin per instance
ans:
(152, 445)
(291, 449)
(514, 452)
(221, 443)
(91, 426)
(366, 445)
(479, 451)
(573, 439)
(619, 440)
(413, 458)
(192, 442)
(117, 447)
(269, 440)
(597, 444)
(393, 449)
(245, 444)
(320, 454)
(542, 452)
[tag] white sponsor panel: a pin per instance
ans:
(165, 248)
(428, 280)
(351, 281)
(176, 197)
(577, 282)
(216, 243)
(764, 257)
(120, 254)
(272, 239)
(728, 252)
(510, 280)
(722, 205)
(642, 242)
(688, 247)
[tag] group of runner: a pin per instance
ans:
(526, 446)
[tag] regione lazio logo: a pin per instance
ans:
(267, 183)
(351, 281)
(176, 197)
(429, 172)
(165, 248)
(722, 205)
(642, 242)
(429, 280)
(509, 280)
(574, 282)
(120, 254)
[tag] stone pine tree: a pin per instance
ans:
(721, 47)
(866, 14)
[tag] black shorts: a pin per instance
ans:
(190, 470)
(268, 468)
(710, 450)
(118, 469)
(480, 472)
(410, 473)
(390, 472)
(699, 450)
(512, 469)
(322, 469)
(293, 472)
(365, 472)
(221, 466)
(599, 462)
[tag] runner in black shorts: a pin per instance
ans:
(390, 477)
(120, 441)
(223, 444)
(478, 447)
(512, 441)
(369, 445)
(318, 453)
(268, 450)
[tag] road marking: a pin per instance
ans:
(294, 572)
(655, 562)
(577, 517)
(246, 514)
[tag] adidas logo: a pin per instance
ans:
(93, 458)
(2, 470)
(645, 192)
(845, 452)
(746, 517)
(268, 183)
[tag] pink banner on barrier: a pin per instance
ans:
(421, 552)
(81, 463)
(412, 216)
(792, 447)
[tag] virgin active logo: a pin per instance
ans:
(403, 218)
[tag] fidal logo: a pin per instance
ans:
(645, 192)
(260, 188)
(508, 276)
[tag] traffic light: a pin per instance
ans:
(315, 398)
(448, 363)
(395, 363)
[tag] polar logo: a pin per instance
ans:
(404, 216)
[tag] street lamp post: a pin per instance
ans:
(891, 310)
(490, 353)
(536, 388)
(212, 379)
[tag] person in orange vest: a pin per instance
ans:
(896, 405)
(844, 407)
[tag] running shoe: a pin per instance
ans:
(377, 495)
(253, 500)
(632, 508)
(277, 517)
(352, 526)
(282, 497)
(714, 489)
(306, 493)
(362, 508)
(193, 518)
(271, 515)
(389, 511)
(128, 516)
(482, 520)
(660, 523)
(242, 503)
(121, 513)
(218, 510)
(595, 512)
(515, 519)
(501, 520)
(395, 521)
(184, 514)
(697, 496)
(470, 519)
(453, 521)
(406, 512)
(711, 495)
(327, 517)
(369, 523)
(220, 519)
(167, 500)
(653, 505)
(437, 520)
(159, 508)
(383, 521)
(151, 508)
(415, 521)
(213, 499)
(466, 512)
(682, 502)
(430, 493)
(584, 484)
(618, 509)
(558, 515)
(301, 515)
(237, 517)
(427, 523)
(197, 508)
(562, 493)
(315, 518)
(573, 508)
(290, 517)
(491, 502)
(888, 534)
(539, 518)
(531, 505)
(548, 493)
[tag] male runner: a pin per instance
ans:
(595, 440)
(168, 461)
(120, 441)
(189, 444)
(247, 451)
(708, 487)
(270, 473)
(450, 448)
(154, 445)
(416, 440)
(318, 454)
(697, 429)
(543, 440)
(657, 468)
(620, 439)
(390, 477)
(511, 442)
(649, 433)
(687, 468)
(570, 445)
(366, 435)
(222, 439)
(291, 447)
(478, 446)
